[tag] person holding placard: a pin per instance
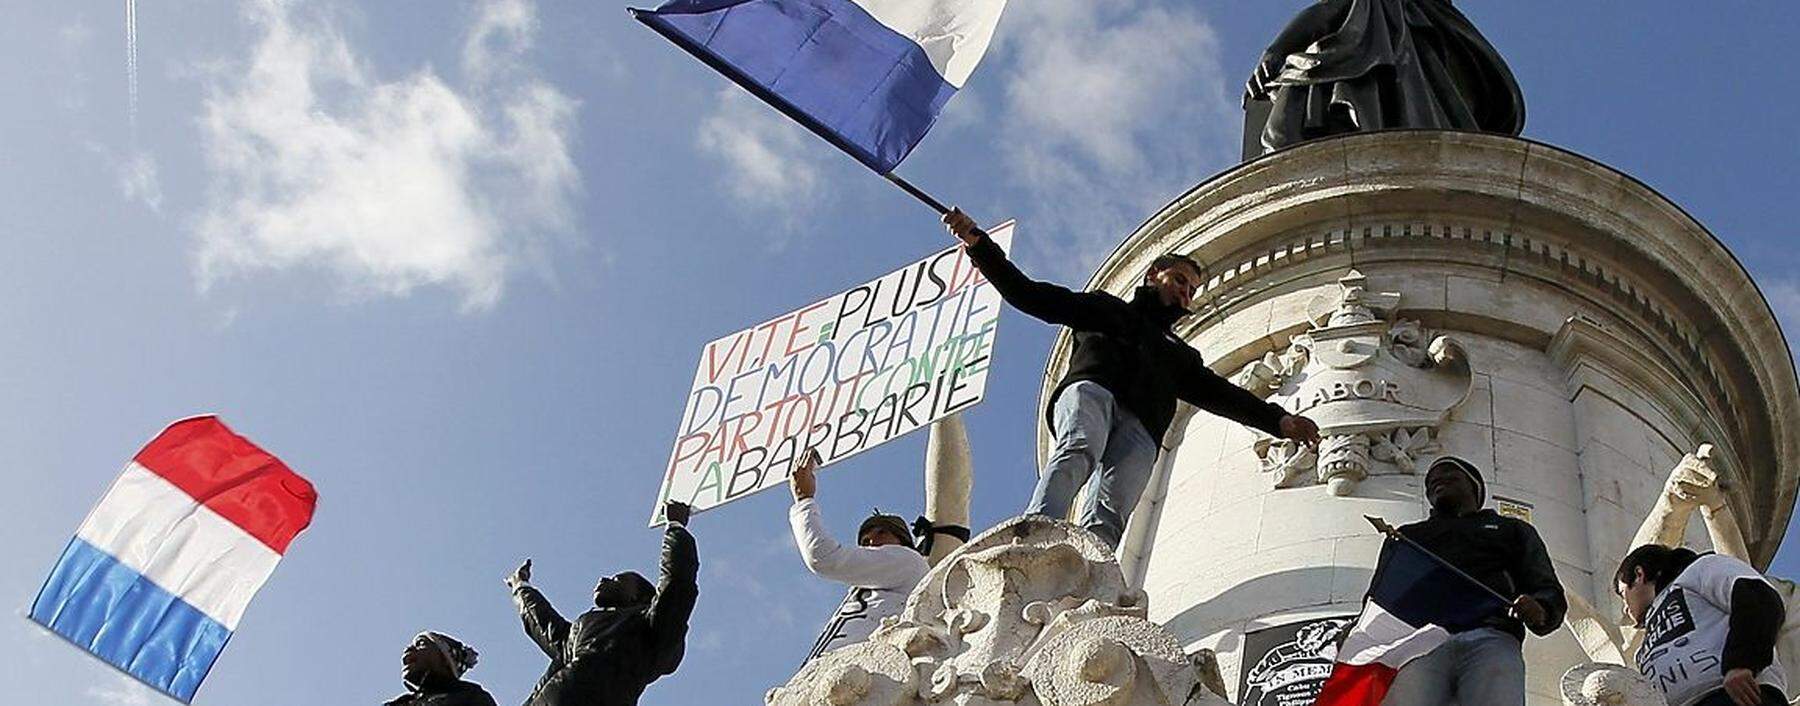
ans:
(1127, 369)
(636, 633)
(881, 570)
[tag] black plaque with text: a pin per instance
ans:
(1287, 665)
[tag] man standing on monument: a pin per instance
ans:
(636, 633)
(1483, 666)
(1111, 409)
(881, 570)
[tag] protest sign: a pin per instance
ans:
(843, 375)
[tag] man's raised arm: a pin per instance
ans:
(677, 590)
(543, 624)
(1082, 311)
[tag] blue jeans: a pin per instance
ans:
(1100, 442)
(1481, 667)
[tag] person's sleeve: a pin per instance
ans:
(1535, 576)
(1210, 391)
(1755, 607)
(676, 593)
(1082, 311)
(543, 624)
(890, 567)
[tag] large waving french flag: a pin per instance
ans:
(870, 76)
(1415, 603)
(156, 579)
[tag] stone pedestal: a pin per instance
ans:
(1559, 324)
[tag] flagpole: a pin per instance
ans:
(924, 198)
(1392, 533)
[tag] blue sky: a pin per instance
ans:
(454, 262)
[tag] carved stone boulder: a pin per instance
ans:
(1034, 612)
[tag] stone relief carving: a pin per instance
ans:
(1379, 387)
(1034, 612)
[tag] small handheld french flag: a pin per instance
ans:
(1415, 603)
(156, 579)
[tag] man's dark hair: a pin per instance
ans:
(1163, 262)
(1660, 564)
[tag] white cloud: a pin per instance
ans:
(136, 174)
(121, 692)
(1110, 109)
(388, 184)
(138, 180)
(771, 162)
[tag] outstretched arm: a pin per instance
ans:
(543, 624)
(1082, 311)
(676, 593)
(1203, 388)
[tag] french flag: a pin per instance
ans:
(1415, 603)
(870, 76)
(156, 579)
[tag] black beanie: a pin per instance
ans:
(1468, 468)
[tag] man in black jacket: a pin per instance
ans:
(635, 634)
(432, 667)
(1111, 409)
(1484, 666)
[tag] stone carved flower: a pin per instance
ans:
(1404, 447)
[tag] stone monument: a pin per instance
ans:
(1558, 323)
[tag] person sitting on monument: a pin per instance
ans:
(1484, 666)
(635, 634)
(881, 570)
(1109, 412)
(432, 666)
(1710, 624)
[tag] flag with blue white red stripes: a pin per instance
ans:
(156, 578)
(870, 76)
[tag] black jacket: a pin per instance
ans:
(1127, 348)
(1503, 553)
(459, 693)
(608, 655)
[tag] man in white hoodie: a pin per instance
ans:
(881, 570)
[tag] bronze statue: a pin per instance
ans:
(1353, 65)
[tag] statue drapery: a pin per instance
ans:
(1353, 65)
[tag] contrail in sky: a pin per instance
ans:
(131, 84)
